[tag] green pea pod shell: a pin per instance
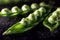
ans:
(29, 22)
(52, 25)
(33, 20)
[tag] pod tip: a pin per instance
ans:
(6, 32)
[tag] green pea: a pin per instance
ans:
(25, 8)
(37, 13)
(51, 20)
(16, 10)
(54, 14)
(25, 21)
(34, 6)
(58, 9)
(42, 10)
(5, 12)
(31, 17)
(42, 4)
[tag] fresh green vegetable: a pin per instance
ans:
(29, 22)
(25, 9)
(34, 6)
(52, 20)
(42, 4)
(15, 11)
(5, 12)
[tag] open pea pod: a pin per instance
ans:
(29, 22)
(25, 9)
(13, 12)
(52, 20)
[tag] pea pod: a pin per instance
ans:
(25, 9)
(52, 20)
(29, 22)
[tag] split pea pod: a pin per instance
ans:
(29, 22)
(52, 21)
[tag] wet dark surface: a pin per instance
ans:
(39, 32)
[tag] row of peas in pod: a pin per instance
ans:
(52, 21)
(24, 10)
(30, 21)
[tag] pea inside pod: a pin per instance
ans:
(27, 23)
(5, 12)
(52, 20)
(16, 11)
(34, 6)
(25, 10)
